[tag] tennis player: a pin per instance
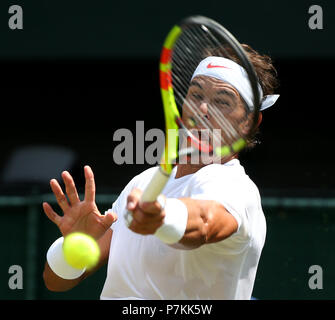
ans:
(201, 239)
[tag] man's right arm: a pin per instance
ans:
(58, 284)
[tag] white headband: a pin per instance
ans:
(232, 73)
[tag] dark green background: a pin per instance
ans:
(107, 28)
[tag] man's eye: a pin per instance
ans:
(222, 103)
(197, 96)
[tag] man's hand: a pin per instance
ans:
(147, 216)
(82, 216)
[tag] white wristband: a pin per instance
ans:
(58, 264)
(175, 221)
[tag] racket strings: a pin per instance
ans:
(190, 45)
(195, 44)
(183, 67)
(195, 112)
(217, 138)
(217, 47)
(213, 113)
(200, 119)
(196, 40)
(222, 121)
(211, 41)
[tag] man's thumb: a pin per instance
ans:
(110, 217)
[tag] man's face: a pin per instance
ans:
(212, 103)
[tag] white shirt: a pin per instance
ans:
(143, 267)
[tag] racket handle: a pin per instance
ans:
(156, 185)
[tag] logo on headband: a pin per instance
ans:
(209, 66)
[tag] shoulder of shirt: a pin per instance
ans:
(232, 168)
(229, 174)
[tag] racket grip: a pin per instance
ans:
(155, 187)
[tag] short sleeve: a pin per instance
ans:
(229, 194)
(230, 191)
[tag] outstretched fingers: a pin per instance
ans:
(70, 188)
(59, 194)
(51, 214)
(89, 184)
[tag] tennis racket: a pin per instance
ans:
(216, 121)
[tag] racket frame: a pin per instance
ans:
(171, 112)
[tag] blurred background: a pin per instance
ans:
(80, 70)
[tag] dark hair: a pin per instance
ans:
(266, 72)
(263, 65)
(267, 77)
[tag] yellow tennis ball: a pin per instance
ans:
(81, 250)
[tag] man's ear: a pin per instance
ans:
(260, 118)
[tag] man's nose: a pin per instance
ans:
(204, 109)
